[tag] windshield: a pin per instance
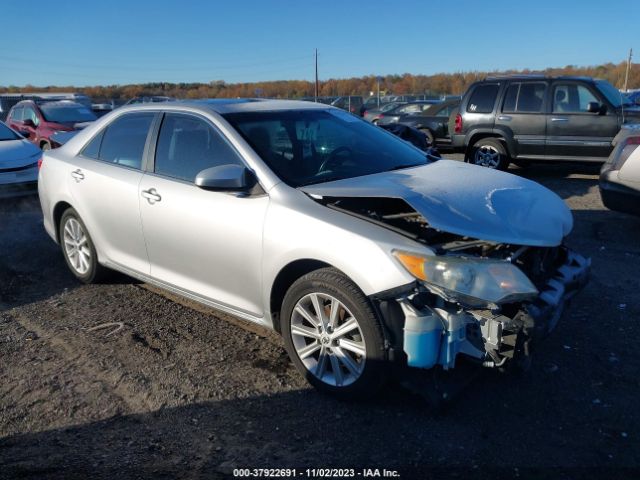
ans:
(304, 147)
(7, 134)
(612, 93)
(67, 113)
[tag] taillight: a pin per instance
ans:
(628, 147)
(40, 162)
(458, 127)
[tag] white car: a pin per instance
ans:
(620, 175)
(18, 164)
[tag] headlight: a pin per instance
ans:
(470, 280)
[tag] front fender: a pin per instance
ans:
(310, 231)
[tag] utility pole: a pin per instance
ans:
(626, 76)
(316, 95)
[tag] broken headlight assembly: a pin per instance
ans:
(467, 280)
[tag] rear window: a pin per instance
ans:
(483, 98)
(123, 141)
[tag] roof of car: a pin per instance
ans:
(50, 103)
(538, 76)
(234, 105)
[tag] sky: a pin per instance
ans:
(82, 43)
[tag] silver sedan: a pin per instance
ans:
(348, 241)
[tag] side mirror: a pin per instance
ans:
(28, 123)
(226, 178)
(595, 107)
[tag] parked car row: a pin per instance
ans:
(37, 120)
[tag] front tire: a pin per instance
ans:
(78, 249)
(490, 153)
(429, 135)
(333, 336)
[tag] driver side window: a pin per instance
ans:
(187, 145)
(29, 114)
(572, 98)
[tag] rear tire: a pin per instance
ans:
(490, 153)
(340, 349)
(78, 249)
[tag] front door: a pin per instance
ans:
(205, 243)
(574, 133)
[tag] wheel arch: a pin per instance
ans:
(58, 211)
(284, 279)
(474, 137)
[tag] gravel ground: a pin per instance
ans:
(183, 391)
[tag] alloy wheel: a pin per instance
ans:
(76, 246)
(328, 339)
(487, 156)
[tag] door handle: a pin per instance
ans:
(559, 119)
(506, 118)
(151, 195)
(78, 175)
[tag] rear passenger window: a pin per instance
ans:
(483, 98)
(524, 97)
(123, 141)
(187, 145)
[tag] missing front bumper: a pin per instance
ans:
(437, 334)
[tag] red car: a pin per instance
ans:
(37, 121)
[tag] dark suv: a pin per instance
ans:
(527, 118)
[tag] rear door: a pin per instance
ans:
(574, 133)
(522, 115)
(104, 183)
(203, 242)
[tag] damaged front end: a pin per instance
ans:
(438, 325)
(486, 300)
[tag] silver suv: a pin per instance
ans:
(303, 218)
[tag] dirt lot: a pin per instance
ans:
(183, 392)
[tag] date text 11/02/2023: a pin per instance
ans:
(315, 473)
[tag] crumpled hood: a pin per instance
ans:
(17, 153)
(467, 200)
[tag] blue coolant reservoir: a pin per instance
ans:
(422, 335)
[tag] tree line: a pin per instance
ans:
(437, 84)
